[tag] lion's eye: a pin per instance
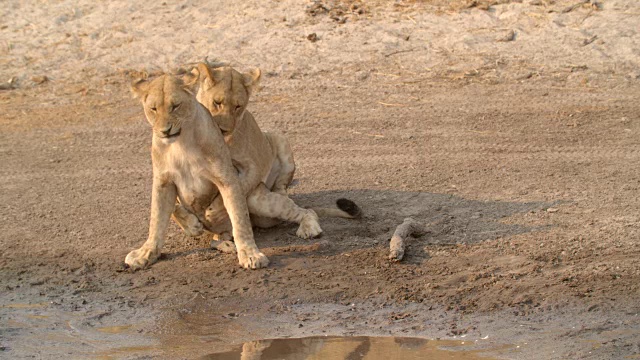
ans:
(154, 109)
(217, 103)
(238, 107)
(174, 107)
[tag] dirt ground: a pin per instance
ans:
(511, 129)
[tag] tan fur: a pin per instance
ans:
(261, 157)
(191, 164)
(264, 161)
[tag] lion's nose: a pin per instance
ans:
(167, 131)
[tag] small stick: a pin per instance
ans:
(385, 74)
(574, 6)
(408, 227)
(388, 104)
(588, 41)
(399, 52)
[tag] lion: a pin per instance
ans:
(264, 160)
(191, 163)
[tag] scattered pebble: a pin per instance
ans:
(39, 79)
(506, 37)
(362, 75)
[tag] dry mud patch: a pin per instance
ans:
(519, 235)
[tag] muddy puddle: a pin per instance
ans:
(40, 330)
(44, 330)
(351, 348)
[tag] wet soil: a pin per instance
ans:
(525, 172)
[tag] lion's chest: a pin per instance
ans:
(195, 190)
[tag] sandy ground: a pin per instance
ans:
(510, 128)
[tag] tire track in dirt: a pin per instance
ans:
(89, 173)
(397, 155)
(412, 154)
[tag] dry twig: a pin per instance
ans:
(399, 52)
(575, 6)
(588, 41)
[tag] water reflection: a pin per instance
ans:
(349, 348)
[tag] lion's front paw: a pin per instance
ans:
(309, 226)
(141, 258)
(252, 258)
(193, 227)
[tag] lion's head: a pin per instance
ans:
(224, 92)
(167, 103)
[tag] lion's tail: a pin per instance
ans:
(346, 209)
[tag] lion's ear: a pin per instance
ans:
(140, 88)
(204, 74)
(251, 78)
(190, 80)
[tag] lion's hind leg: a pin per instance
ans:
(227, 247)
(286, 164)
(263, 202)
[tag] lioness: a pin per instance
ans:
(264, 160)
(191, 163)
